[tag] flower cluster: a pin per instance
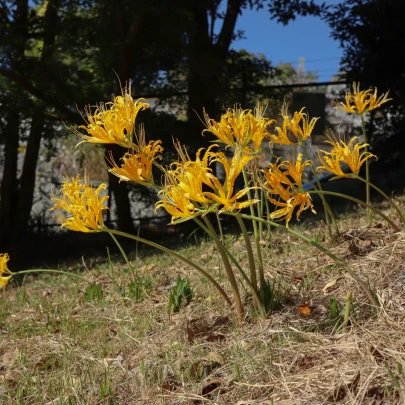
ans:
(183, 195)
(285, 181)
(190, 187)
(349, 154)
(82, 205)
(293, 130)
(359, 102)
(112, 122)
(238, 127)
(5, 273)
(137, 164)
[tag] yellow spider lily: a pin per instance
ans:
(259, 127)
(223, 194)
(301, 200)
(82, 205)
(137, 165)
(4, 258)
(300, 130)
(287, 184)
(112, 122)
(341, 152)
(183, 195)
(238, 127)
(296, 170)
(176, 203)
(359, 102)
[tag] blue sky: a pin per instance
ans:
(307, 37)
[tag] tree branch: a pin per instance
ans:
(228, 27)
(24, 82)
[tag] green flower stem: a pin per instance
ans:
(177, 256)
(220, 228)
(328, 211)
(363, 128)
(214, 237)
(256, 233)
(252, 267)
(339, 261)
(260, 210)
(228, 268)
(268, 216)
(395, 206)
(124, 255)
(49, 271)
(378, 212)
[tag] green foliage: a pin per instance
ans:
(140, 288)
(270, 296)
(337, 313)
(181, 291)
(94, 292)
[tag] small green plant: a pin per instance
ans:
(140, 287)
(181, 291)
(336, 313)
(94, 292)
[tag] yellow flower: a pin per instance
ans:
(137, 165)
(259, 127)
(223, 193)
(300, 131)
(112, 122)
(82, 205)
(296, 170)
(185, 195)
(359, 102)
(238, 127)
(176, 203)
(301, 200)
(341, 152)
(4, 258)
(287, 185)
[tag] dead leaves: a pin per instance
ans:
(305, 309)
(363, 241)
(330, 285)
(208, 330)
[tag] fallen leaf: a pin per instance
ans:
(171, 385)
(212, 386)
(329, 285)
(305, 309)
(391, 238)
(190, 335)
(216, 357)
(306, 362)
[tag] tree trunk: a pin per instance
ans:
(28, 176)
(207, 59)
(27, 179)
(9, 180)
(120, 193)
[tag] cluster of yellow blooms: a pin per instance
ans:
(343, 153)
(190, 187)
(359, 102)
(82, 205)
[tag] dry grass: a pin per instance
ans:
(62, 345)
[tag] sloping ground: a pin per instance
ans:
(103, 341)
